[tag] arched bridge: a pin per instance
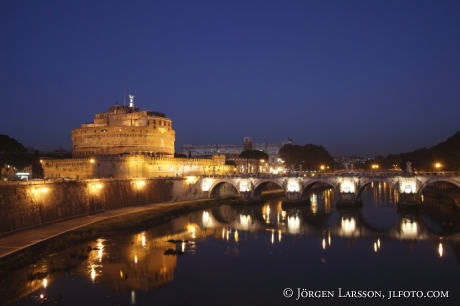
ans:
(349, 185)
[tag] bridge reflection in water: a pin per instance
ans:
(129, 264)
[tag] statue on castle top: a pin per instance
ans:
(131, 101)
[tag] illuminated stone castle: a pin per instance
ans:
(125, 142)
(125, 129)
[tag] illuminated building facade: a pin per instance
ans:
(125, 142)
(232, 151)
(125, 129)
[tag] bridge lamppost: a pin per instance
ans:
(438, 166)
(375, 167)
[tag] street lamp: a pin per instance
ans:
(438, 166)
(375, 167)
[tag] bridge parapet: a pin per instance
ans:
(349, 185)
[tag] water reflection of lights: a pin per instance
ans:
(135, 259)
(266, 213)
(143, 240)
(45, 282)
(133, 297)
(245, 221)
(236, 236)
(206, 218)
(100, 248)
(440, 249)
(191, 229)
(348, 226)
(409, 229)
(93, 273)
(377, 245)
(326, 242)
(121, 274)
(293, 224)
(183, 246)
(273, 236)
(279, 235)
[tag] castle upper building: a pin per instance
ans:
(125, 129)
(125, 142)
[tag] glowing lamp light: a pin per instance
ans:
(44, 190)
(408, 189)
(140, 184)
(91, 160)
(205, 186)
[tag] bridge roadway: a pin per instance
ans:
(349, 185)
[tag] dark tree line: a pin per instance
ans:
(446, 153)
(310, 156)
(14, 154)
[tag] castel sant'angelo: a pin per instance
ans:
(126, 142)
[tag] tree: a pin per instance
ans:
(10, 148)
(310, 156)
(254, 155)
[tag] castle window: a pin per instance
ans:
(104, 131)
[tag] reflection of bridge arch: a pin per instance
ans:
(434, 180)
(443, 228)
(361, 221)
(368, 181)
(224, 214)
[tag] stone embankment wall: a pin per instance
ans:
(29, 204)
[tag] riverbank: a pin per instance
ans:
(27, 246)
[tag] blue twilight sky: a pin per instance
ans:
(358, 77)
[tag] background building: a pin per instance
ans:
(232, 151)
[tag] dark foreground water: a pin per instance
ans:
(258, 255)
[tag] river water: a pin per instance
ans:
(259, 254)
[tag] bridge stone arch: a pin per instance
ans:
(434, 180)
(213, 189)
(307, 186)
(366, 181)
(260, 185)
